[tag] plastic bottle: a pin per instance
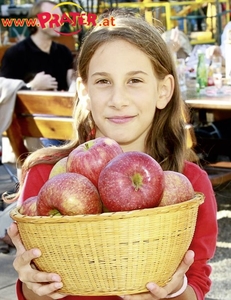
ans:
(202, 72)
(214, 68)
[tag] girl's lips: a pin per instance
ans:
(120, 120)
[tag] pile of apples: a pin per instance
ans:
(98, 176)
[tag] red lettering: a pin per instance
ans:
(19, 22)
(31, 22)
(83, 20)
(74, 16)
(43, 18)
(91, 19)
(7, 22)
(54, 22)
(66, 19)
(112, 21)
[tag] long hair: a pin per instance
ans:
(166, 139)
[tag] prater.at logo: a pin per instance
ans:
(76, 19)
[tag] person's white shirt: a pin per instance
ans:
(224, 37)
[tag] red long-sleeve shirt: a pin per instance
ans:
(203, 243)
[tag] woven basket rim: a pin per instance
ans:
(196, 201)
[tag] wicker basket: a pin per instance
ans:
(112, 253)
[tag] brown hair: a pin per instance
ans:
(166, 141)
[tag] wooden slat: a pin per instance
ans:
(15, 136)
(40, 114)
(51, 128)
(218, 175)
(51, 103)
(221, 164)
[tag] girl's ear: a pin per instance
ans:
(82, 92)
(166, 88)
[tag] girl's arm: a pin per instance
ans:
(36, 285)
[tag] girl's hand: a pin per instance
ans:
(157, 292)
(40, 283)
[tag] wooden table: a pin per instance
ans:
(211, 148)
(219, 106)
(207, 102)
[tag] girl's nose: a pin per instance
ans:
(119, 97)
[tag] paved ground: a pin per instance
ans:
(221, 263)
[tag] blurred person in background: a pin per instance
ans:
(37, 60)
(220, 50)
(178, 42)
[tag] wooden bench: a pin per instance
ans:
(40, 114)
(219, 172)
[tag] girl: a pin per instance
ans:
(128, 91)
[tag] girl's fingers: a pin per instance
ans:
(43, 277)
(186, 263)
(15, 237)
(48, 289)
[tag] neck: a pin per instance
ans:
(132, 145)
(43, 42)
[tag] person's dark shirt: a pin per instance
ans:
(24, 60)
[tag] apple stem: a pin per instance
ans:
(137, 181)
(88, 145)
(55, 212)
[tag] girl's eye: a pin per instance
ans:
(135, 80)
(102, 81)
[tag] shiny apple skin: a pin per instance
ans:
(132, 180)
(59, 167)
(91, 157)
(29, 207)
(68, 194)
(177, 189)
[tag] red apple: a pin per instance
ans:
(59, 167)
(29, 207)
(132, 180)
(177, 189)
(91, 157)
(68, 194)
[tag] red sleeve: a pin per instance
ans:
(35, 179)
(19, 293)
(205, 236)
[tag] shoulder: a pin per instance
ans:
(43, 170)
(60, 47)
(34, 180)
(197, 176)
(193, 171)
(201, 183)
(18, 48)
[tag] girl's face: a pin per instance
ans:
(123, 93)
